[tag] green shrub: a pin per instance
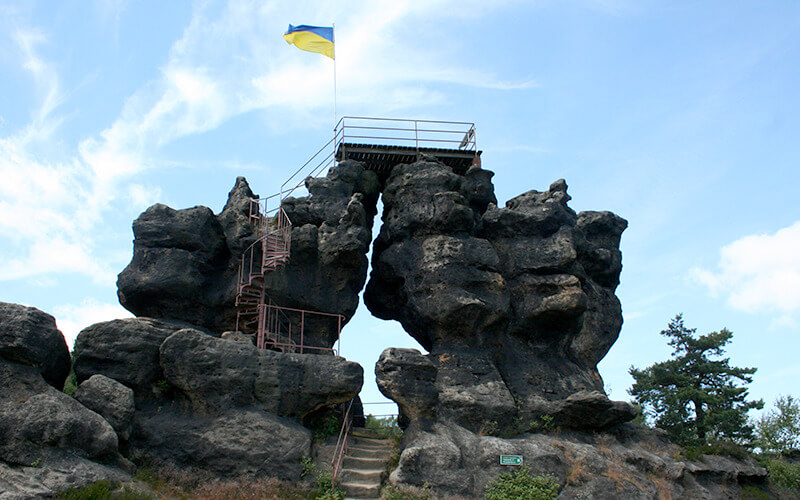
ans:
(386, 427)
(390, 492)
(308, 466)
(725, 448)
(100, 490)
(783, 473)
(753, 493)
(326, 489)
(521, 485)
(324, 423)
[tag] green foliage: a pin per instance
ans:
(390, 492)
(326, 489)
(102, 490)
(726, 448)
(385, 427)
(783, 473)
(779, 429)
(753, 493)
(71, 383)
(308, 466)
(95, 491)
(489, 428)
(519, 484)
(325, 423)
(693, 396)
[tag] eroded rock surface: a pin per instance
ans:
(628, 461)
(43, 431)
(516, 305)
(111, 400)
(29, 336)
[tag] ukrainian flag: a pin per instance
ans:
(311, 38)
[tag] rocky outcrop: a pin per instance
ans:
(516, 305)
(212, 404)
(42, 430)
(29, 336)
(125, 350)
(111, 400)
(185, 262)
(629, 462)
(331, 235)
(217, 374)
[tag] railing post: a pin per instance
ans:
(302, 329)
(416, 138)
(339, 334)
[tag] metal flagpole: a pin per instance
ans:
(334, 82)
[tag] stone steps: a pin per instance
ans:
(364, 466)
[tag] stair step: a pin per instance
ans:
(366, 463)
(362, 490)
(363, 476)
(382, 454)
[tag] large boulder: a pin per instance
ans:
(241, 442)
(185, 262)
(331, 235)
(125, 350)
(217, 374)
(49, 442)
(111, 400)
(516, 305)
(30, 337)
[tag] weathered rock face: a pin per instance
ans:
(212, 404)
(516, 305)
(218, 374)
(111, 400)
(42, 430)
(629, 461)
(185, 262)
(125, 350)
(331, 234)
(30, 337)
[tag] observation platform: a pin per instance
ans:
(382, 157)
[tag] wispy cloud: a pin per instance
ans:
(221, 67)
(759, 274)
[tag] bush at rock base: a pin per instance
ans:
(521, 485)
(783, 473)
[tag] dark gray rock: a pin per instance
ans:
(331, 235)
(236, 443)
(125, 350)
(49, 442)
(629, 462)
(111, 400)
(217, 374)
(53, 472)
(30, 337)
(185, 262)
(516, 305)
(408, 378)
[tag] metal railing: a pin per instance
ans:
(341, 444)
(284, 328)
(406, 132)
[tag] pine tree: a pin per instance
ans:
(696, 395)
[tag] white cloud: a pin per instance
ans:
(72, 318)
(759, 274)
(222, 66)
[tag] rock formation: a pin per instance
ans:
(49, 442)
(215, 405)
(515, 305)
(185, 262)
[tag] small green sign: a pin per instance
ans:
(510, 459)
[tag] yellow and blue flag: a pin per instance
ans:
(311, 38)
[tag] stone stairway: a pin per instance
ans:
(364, 466)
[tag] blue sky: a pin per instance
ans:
(682, 117)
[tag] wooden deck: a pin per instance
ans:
(382, 158)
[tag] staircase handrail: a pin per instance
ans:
(341, 444)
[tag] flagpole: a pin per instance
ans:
(334, 82)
